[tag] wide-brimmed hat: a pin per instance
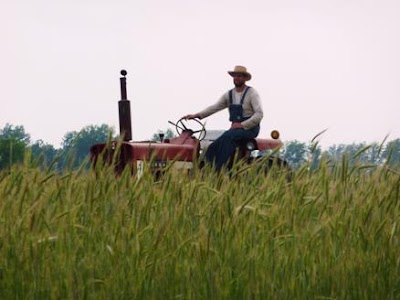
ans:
(240, 70)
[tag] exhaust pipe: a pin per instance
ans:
(125, 125)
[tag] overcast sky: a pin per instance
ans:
(316, 64)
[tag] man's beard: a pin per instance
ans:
(238, 84)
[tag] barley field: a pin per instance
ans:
(331, 233)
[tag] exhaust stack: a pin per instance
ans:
(125, 125)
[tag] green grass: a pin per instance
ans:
(330, 234)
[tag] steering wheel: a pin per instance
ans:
(198, 132)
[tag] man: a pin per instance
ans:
(245, 113)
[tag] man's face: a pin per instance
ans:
(239, 79)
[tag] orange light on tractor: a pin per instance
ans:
(275, 134)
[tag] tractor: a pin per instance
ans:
(177, 153)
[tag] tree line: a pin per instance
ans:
(16, 147)
(298, 153)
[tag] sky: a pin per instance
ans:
(317, 64)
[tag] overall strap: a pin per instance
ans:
(230, 96)
(244, 95)
(241, 100)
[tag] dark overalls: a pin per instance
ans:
(223, 148)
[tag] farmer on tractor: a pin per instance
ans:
(245, 113)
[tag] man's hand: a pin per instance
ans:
(236, 125)
(191, 116)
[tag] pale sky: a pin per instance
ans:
(316, 64)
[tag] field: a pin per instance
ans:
(333, 233)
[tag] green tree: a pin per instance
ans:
(12, 151)
(355, 153)
(44, 154)
(364, 153)
(13, 142)
(391, 153)
(15, 132)
(315, 152)
(76, 145)
(295, 153)
(168, 134)
(335, 152)
(373, 155)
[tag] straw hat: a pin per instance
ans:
(240, 70)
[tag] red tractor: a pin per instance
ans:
(179, 153)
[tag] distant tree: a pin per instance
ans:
(315, 153)
(43, 153)
(366, 154)
(356, 153)
(295, 153)
(335, 152)
(391, 153)
(168, 133)
(13, 142)
(16, 133)
(12, 151)
(76, 145)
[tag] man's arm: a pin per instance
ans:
(219, 105)
(191, 116)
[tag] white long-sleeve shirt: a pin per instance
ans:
(252, 108)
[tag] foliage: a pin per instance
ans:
(356, 153)
(391, 154)
(13, 142)
(44, 154)
(15, 133)
(12, 151)
(76, 145)
(315, 153)
(295, 153)
(168, 133)
(325, 235)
